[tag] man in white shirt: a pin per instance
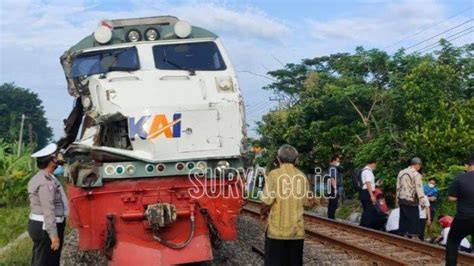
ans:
(367, 196)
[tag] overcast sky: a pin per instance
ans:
(259, 35)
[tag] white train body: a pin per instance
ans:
(190, 109)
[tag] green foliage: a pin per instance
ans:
(14, 221)
(20, 254)
(373, 105)
(15, 101)
(15, 172)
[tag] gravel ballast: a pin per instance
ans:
(239, 252)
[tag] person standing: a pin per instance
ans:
(425, 219)
(409, 196)
(48, 209)
(335, 182)
(260, 181)
(431, 191)
(462, 191)
(367, 196)
(285, 195)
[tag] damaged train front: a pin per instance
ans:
(157, 121)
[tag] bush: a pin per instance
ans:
(15, 172)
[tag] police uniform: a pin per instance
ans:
(48, 209)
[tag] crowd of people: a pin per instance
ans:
(286, 192)
(415, 206)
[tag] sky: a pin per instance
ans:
(259, 36)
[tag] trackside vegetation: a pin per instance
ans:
(370, 104)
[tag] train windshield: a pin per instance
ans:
(188, 56)
(98, 62)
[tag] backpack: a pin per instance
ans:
(357, 179)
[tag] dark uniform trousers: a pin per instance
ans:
(43, 255)
(368, 213)
(460, 228)
(332, 206)
(283, 252)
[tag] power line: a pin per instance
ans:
(439, 34)
(437, 44)
(259, 113)
(253, 104)
(430, 27)
(254, 107)
(447, 38)
(258, 106)
(256, 74)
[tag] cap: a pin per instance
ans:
(446, 221)
(46, 151)
(416, 160)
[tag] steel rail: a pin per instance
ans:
(373, 256)
(430, 250)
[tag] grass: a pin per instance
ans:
(345, 210)
(13, 222)
(20, 254)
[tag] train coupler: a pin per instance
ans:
(160, 214)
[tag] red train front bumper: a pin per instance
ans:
(126, 201)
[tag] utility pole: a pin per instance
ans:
(21, 133)
(281, 101)
(30, 134)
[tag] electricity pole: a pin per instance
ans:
(281, 101)
(30, 134)
(21, 133)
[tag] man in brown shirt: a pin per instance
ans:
(286, 192)
(409, 195)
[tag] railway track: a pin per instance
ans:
(366, 246)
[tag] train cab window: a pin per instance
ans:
(103, 61)
(188, 56)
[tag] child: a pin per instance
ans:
(381, 212)
(445, 222)
(392, 222)
(425, 219)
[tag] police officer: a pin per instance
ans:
(49, 208)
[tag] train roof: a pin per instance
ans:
(120, 28)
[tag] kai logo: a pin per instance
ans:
(159, 126)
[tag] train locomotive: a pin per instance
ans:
(154, 141)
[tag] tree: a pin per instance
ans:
(372, 105)
(15, 101)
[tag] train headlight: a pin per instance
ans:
(103, 34)
(109, 170)
(201, 165)
(133, 36)
(224, 84)
(182, 29)
(130, 169)
(151, 34)
(222, 165)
